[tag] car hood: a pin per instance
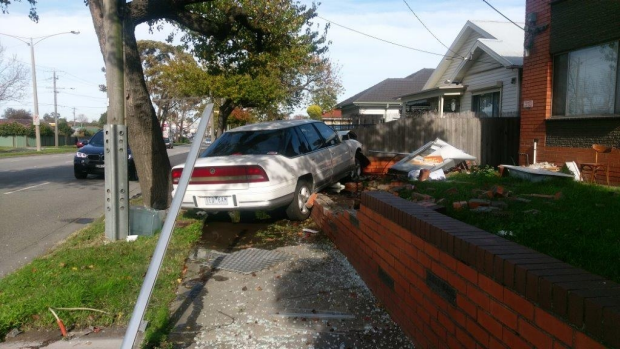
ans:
(94, 149)
(91, 149)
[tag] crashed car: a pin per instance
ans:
(270, 165)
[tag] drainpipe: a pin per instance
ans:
(440, 107)
(535, 144)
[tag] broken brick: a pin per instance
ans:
(311, 199)
(452, 191)
(459, 205)
(558, 195)
(474, 203)
(424, 174)
(498, 191)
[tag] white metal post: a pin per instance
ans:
(166, 233)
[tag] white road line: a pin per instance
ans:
(34, 186)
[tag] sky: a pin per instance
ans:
(363, 61)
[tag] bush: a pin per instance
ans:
(14, 129)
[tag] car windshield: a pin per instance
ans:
(97, 139)
(270, 142)
(166, 140)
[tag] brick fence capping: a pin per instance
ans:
(449, 284)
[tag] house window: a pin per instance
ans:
(587, 81)
(486, 104)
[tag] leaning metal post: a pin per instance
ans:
(166, 234)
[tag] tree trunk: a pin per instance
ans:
(225, 110)
(145, 135)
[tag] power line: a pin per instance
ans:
(427, 29)
(496, 10)
(376, 38)
(78, 78)
(75, 94)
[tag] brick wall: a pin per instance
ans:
(557, 142)
(451, 285)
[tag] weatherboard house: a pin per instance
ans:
(379, 103)
(480, 74)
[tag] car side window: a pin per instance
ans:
(329, 135)
(295, 146)
(312, 136)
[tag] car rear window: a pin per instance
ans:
(268, 142)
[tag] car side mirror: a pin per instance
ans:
(85, 142)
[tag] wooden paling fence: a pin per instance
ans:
(493, 141)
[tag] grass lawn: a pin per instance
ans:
(85, 271)
(579, 228)
(6, 152)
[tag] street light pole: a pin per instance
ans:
(35, 118)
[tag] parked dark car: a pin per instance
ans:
(90, 159)
(168, 143)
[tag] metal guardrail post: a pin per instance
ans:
(116, 182)
(166, 234)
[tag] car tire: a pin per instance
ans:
(297, 210)
(133, 175)
(356, 173)
(80, 175)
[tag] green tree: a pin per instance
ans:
(64, 128)
(315, 112)
(103, 119)
(261, 30)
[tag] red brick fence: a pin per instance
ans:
(450, 285)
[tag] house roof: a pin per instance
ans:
(334, 113)
(501, 40)
(389, 89)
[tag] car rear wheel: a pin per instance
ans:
(297, 210)
(80, 174)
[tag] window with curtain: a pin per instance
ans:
(486, 104)
(587, 81)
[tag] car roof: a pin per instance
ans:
(272, 125)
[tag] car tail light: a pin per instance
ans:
(223, 175)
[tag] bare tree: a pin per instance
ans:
(13, 78)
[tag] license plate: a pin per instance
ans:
(99, 166)
(216, 200)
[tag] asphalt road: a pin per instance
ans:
(41, 203)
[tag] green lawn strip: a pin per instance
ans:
(580, 228)
(86, 271)
(6, 152)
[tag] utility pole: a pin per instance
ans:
(55, 113)
(35, 117)
(115, 131)
(73, 117)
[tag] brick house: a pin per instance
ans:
(571, 81)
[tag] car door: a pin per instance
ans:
(339, 151)
(318, 157)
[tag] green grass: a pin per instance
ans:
(6, 152)
(580, 228)
(87, 271)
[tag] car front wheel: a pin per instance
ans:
(297, 210)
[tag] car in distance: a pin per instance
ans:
(168, 143)
(269, 166)
(81, 142)
(90, 159)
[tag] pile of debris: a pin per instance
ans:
(432, 161)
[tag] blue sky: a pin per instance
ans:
(363, 61)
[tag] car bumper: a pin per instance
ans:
(95, 167)
(252, 198)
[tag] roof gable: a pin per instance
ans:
(501, 40)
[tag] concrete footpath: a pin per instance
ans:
(312, 298)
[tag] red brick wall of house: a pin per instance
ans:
(537, 87)
(451, 285)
